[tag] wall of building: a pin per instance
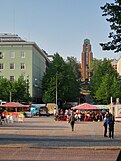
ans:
(16, 50)
(38, 70)
(119, 66)
(87, 57)
(33, 58)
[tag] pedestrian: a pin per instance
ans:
(79, 116)
(72, 121)
(105, 123)
(55, 112)
(111, 126)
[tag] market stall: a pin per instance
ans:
(88, 112)
(13, 111)
(85, 106)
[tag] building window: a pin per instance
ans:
(1, 55)
(1, 65)
(11, 55)
(22, 54)
(12, 66)
(11, 78)
(22, 66)
(1, 77)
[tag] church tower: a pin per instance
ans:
(86, 58)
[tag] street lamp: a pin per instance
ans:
(10, 96)
(56, 94)
(27, 84)
(36, 89)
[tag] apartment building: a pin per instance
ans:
(17, 57)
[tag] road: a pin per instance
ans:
(45, 139)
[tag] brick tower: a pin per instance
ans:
(86, 59)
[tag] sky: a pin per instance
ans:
(58, 25)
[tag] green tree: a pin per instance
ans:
(49, 79)
(116, 88)
(67, 84)
(110, 87)
(17, 90)
(105, 82)
(103, 93)
(20, 90)
(5, 89)
(96, 78)
(75, 66)
(113, 13)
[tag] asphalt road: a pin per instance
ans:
(46, 139)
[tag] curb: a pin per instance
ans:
(62, 147)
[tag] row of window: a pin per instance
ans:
(12, 66)
(11, 78)
(12, 55)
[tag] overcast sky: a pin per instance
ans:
(58, 25)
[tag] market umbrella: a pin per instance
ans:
(14, 105)
(85, 106)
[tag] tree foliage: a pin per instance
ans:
(5, 87)
(75, 66)
(67, 84)
(18, 90)
(105, 82)
(113, 13)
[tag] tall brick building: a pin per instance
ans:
(86, 58)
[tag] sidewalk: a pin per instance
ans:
(44, 132)
(44, 139)
(47, 154)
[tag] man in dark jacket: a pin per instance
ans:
(72, 121)
(111, 126)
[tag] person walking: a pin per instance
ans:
(105, 123)
(111, 126)
(72, 121)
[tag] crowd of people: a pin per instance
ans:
(106, 117)
(108, 122)
(10, 117)
(86, 115)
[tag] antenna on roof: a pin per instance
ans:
(86, 35)
(14, 21)
(29, 36)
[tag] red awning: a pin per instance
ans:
(85, 106)
(15, 105)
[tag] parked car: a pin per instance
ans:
(35, 111)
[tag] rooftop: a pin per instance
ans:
(10, 38)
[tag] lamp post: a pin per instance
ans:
(10, 96)
(36, 89)
(27, 84)
(111, 106)
(56, 94)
